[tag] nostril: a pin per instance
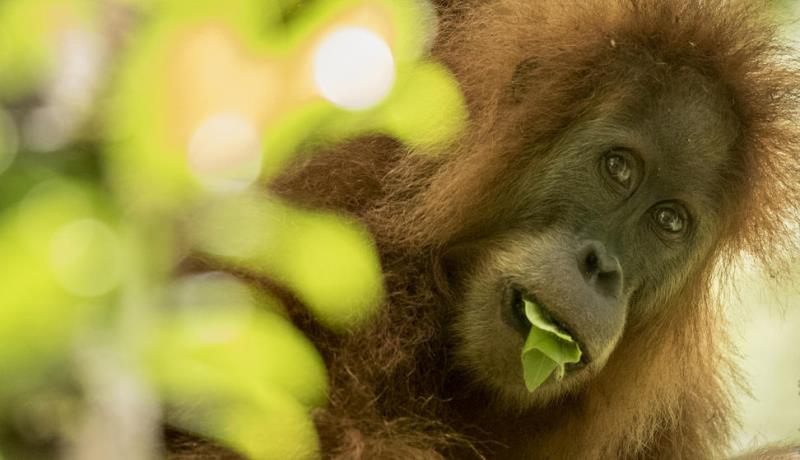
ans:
(591, 263)
(609, 284)
(600, 269)
(610, 278)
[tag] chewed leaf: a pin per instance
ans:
(547, 349)
(536, 367)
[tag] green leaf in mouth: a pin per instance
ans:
(547, 349)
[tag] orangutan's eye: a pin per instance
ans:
(619, 167)
(670, 219)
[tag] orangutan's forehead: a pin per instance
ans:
(682, 127)
(692, 130)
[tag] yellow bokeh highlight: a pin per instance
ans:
(210, 72)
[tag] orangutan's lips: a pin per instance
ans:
(515, 298)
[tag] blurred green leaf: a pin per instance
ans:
(329, 261)
(271, 427)
(245, 377)
(59, 261)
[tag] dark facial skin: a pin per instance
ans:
(617, 214)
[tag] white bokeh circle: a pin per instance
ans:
(85, 258)
(354, 68)
(225, 153)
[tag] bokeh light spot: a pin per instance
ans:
(354, 68)
(85, 258)
(80, 64)
(205, 292)
(225, 153)
(47, 128)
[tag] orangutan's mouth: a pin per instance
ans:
(514, 304)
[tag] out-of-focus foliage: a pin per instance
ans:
(245, 377)
(202, 104)
(28, 32)
(61, 260)
(342, 285)
(199, 48)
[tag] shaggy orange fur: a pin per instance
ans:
(395, 394)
